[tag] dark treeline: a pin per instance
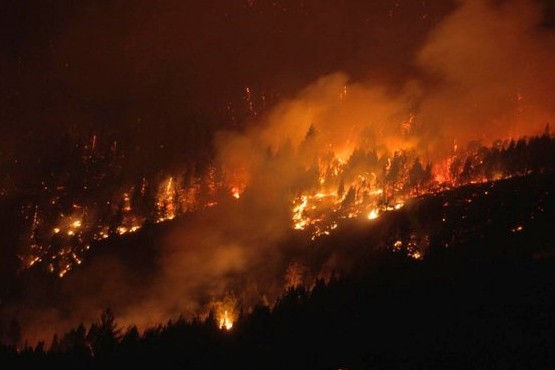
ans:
(482, 314)
(487, 301)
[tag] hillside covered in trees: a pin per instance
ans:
(483, 297)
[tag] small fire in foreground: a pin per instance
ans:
(226, 312)
(235, 192)
(373, 214)
(225, 321)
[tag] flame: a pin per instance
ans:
(349, 182)
(66, 239)
(416, 255)
(226, 312)
(166, 203)
(374, 213)
(299, 219)
(225, 321)
(122, 230)
(235, 192)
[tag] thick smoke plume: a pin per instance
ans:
(494, 68)
(484, 73)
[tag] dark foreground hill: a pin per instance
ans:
(482, 297)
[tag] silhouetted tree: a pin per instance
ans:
(349, 198)
(104, 335)
(416, 175)
(341, 189)
(75, 340)
(396, 172)
(130, 340)
(467, 171)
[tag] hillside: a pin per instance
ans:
(483, 296)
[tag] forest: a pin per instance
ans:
(484, 301)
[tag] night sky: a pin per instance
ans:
(161, 73)
(154, 75)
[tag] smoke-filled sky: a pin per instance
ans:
(163, 76)
(166, 72)
(168, 80)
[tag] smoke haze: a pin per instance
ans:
(478, 70)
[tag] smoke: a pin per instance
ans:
(484, 73)
(493, 62)
(340, 114)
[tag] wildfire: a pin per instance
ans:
(347, 183)
(225, 321)
(235, 192)
(167, 202)
(299, 219)
(225, 311)
(60, 241)
(375, 213)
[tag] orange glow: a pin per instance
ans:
(225, 321)
(375, 213)
(225, 311)
(166, 203)
(235, 192)
(299, 219)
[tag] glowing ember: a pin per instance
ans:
(235, 192)
(375, 213)
(416, 255)
(122, 230)
(517, 229)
